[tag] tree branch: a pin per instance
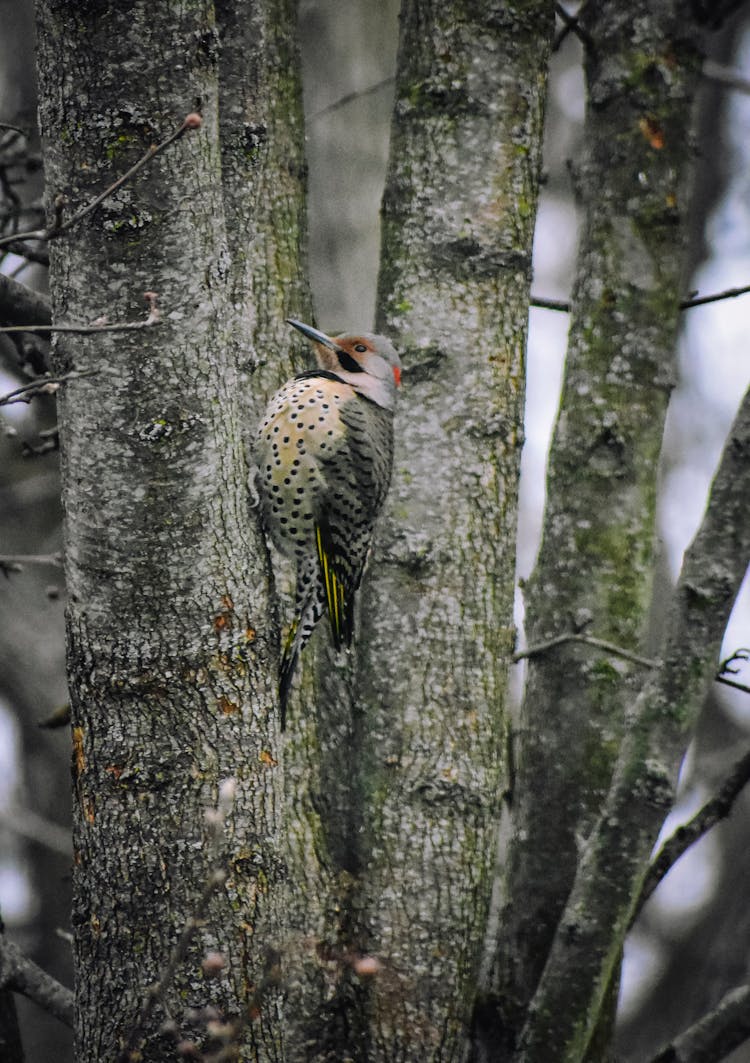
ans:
(14, 129)
(713, 1036)
(18, 303)
(701, 300)
(153, 318)
(60, 227)
(725, 75)
(31, 254)
(585, 954)
(19, 973)
(350, 97)
(713, 811)
(44, 385)
(34, 828)
(15, 562)
(571, 24)
(85, 330)
(588, 640)
(618, 651)
(687, 304)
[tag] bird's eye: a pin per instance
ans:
(360, 347)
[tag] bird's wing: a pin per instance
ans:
(357, 472)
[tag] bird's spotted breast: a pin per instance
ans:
(302, 428)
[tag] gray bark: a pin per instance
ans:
(567, 1009)
(437, 630)
(594, 571)
(172, 644)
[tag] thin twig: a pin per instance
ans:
(550, 304)
(571, 25)
(725, 75)
(725, 669)
(101, 325)
(686, 304)
(19, 973)
(86, 330)
(618, 651)
(34, 828)
(712, 812)
(14, 129)
(30, 559)
(715, 1034)
(43, 385)
(701, 300)
(350, 97)
(588, 640)
(60, 227)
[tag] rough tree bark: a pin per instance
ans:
(595, 565)
(171, 640)
(571, 1007)
(437, 632)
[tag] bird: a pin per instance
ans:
(324, 453)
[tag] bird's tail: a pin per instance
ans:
(289, 659)
(309, 612)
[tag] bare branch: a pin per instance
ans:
(31, 254)
(712, 812)
(43, 385)
(350, 97)
(19, 973)
(571, 25)
(701, 300)
(34, 828)
(725, 669)
(86, 330)
(19, 303)
(725, 75)
(715, 1035)
(101, 325)
(60, 227)
(686, 304)
(550, 304)
(14, 129)
(584, 957)
(30, 559)
(11, 563)
(588, 640)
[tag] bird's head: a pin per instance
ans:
(367, 362)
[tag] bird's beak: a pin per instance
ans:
(313, 334)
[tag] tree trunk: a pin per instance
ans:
(594, 571)
(171, 643)
(437, 629)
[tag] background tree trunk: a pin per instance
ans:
(172, 649)
(437, 631)
(594, 571)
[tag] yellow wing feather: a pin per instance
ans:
(334, 591)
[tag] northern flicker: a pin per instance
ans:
(324, 451)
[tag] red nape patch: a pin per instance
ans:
(397, 376)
